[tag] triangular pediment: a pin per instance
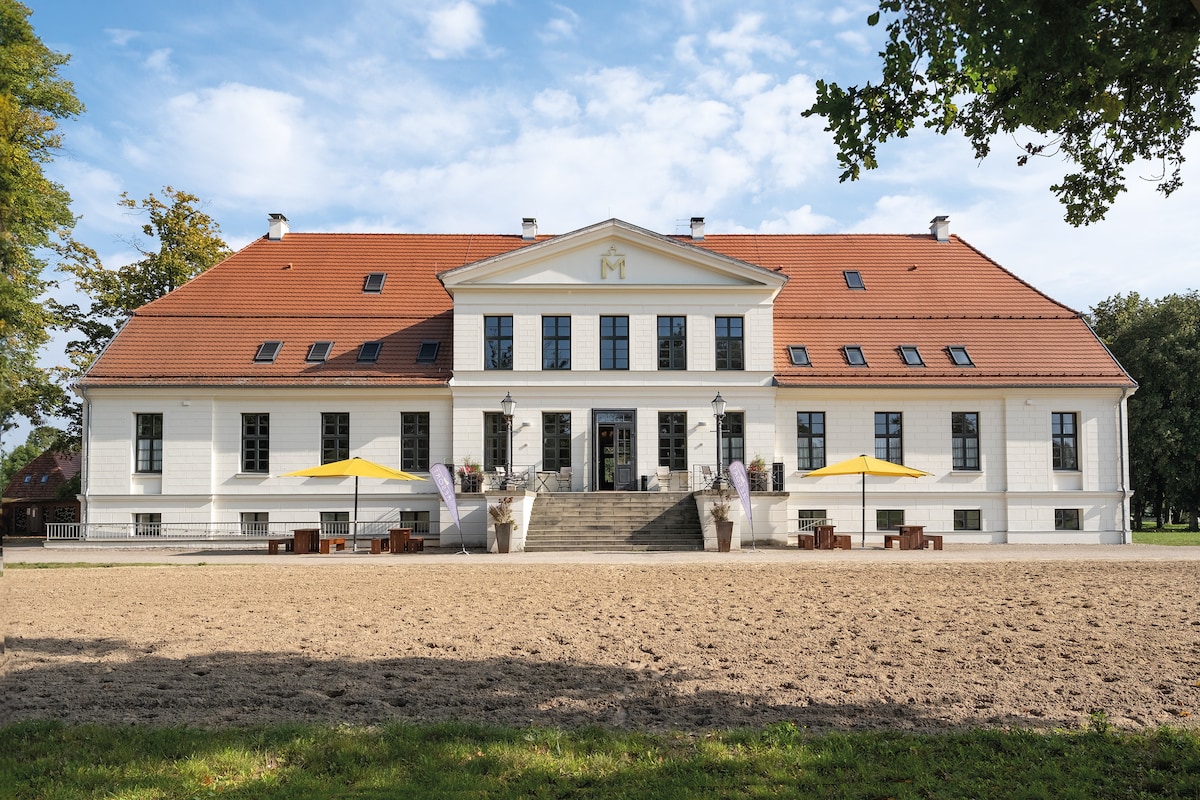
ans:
(611, 255)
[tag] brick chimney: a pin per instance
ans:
(529, 228)
(278, 227)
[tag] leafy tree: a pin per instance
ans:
(186, 241)
(1103, 83)
(1159, 344)
(34, 211)
(40, 440)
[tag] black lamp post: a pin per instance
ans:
(718, 407)
(508, 407)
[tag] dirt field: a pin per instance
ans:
(901, 643)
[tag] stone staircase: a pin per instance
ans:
(614, 522)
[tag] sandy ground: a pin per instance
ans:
(985, 636)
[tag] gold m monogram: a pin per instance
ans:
(612, 261)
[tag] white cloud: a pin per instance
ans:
(121, 36)
(561, 27)
(556, 105)
(746, 39)
(159, 61)
(454, 30)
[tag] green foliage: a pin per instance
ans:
(185, 241)
(1158, 343)
(34, 211)
(1102, 83)
(52, 761)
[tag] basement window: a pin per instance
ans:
(319, 351)
(428, 352)
(799, 355)
(267, 352)
(853, 279)
(374, 283)
(911, 355)
(368, 353)
(959, 355)
(854, 355)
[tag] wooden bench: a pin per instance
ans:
(889, 538)
(331, 544)
(932, 538)
(416, 544)
(380, 545)
(840, 541)
(273, 546)
(806, 541)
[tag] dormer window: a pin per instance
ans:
(911, 355)
(959, 355)
(319, 351)
(854, 355)
(799, 355)
(267, 352)
(374, 283)
(428, 352)
(853, 279)
(368, 353)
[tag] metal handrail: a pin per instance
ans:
(218, 531)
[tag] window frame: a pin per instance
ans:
(335, 436)
(733, 437)
(318, 352)
(556, 344)
(268, 351)
(807, 455)
(798, 354)
(910, 354)
(889, 519)
(147, 523)
(730, 347)
(414, 441)
(963, 455)
(672, 343)
(256, 443)
(854, 280)
(427, 353)
(368, 352)
(1064, 445)
(498, 346)
(373, 282)
(673, 440)
(556, 440)
(968, 519)
(255, 523)
(889, 441)
(954, 351)
(614, 342)
(495, 441)
(1068, 519)
(148, 460)
(857, 351)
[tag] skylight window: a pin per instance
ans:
(799, 355)
(959, 355)
(319, 351)
(853, 279)
(911, 355)
(854, 355)
(267, 352)
(374, 283)
(368, 353)
(428, 352)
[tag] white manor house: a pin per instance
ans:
(613, 342)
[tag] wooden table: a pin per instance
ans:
(912, 537)
(306, 540)
(398, 540)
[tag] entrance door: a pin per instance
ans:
(614, 434)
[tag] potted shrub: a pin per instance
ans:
(470, 476)
(502, 520)
(719, 511)
(757, 471)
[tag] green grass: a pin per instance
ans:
(51, 761)
(1174, 537)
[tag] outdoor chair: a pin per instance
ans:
(564, 479)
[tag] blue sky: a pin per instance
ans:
(467, 115)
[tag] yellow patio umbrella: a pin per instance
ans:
(866, 465)
(357, 468)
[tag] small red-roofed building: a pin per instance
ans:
(41, 492)
(305, 348)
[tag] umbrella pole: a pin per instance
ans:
(354, 529)
(864, 509)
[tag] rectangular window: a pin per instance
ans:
(672, 343)
(256, 442)
(808, 517)
(368, 352)
(497, 342)
(853, 279)
(964, 440)
(318, 351)
(798, 353)
(495, 441)
(966, 519)
(147, 524)
(614, 343)
(810, 439)
(730, 350)
(1064, 440)
(428, 352)
(414, 441)
(335, 437)
(556, 342)
(373, 283)
(556, 441)
(1066, 519)
(911, 355)
(266, 353)
(418, 521)
(672, 440)
(733, 438)
(889, 519)
(854, 355)
(149, 442)
(959, 356)
(889, 442)
(254, 523)
(335, 523)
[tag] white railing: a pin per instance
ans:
(218, 531)
(807, 525)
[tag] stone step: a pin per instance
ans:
(614, 522)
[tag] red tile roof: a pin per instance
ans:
(308, 287)
(46, 475)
